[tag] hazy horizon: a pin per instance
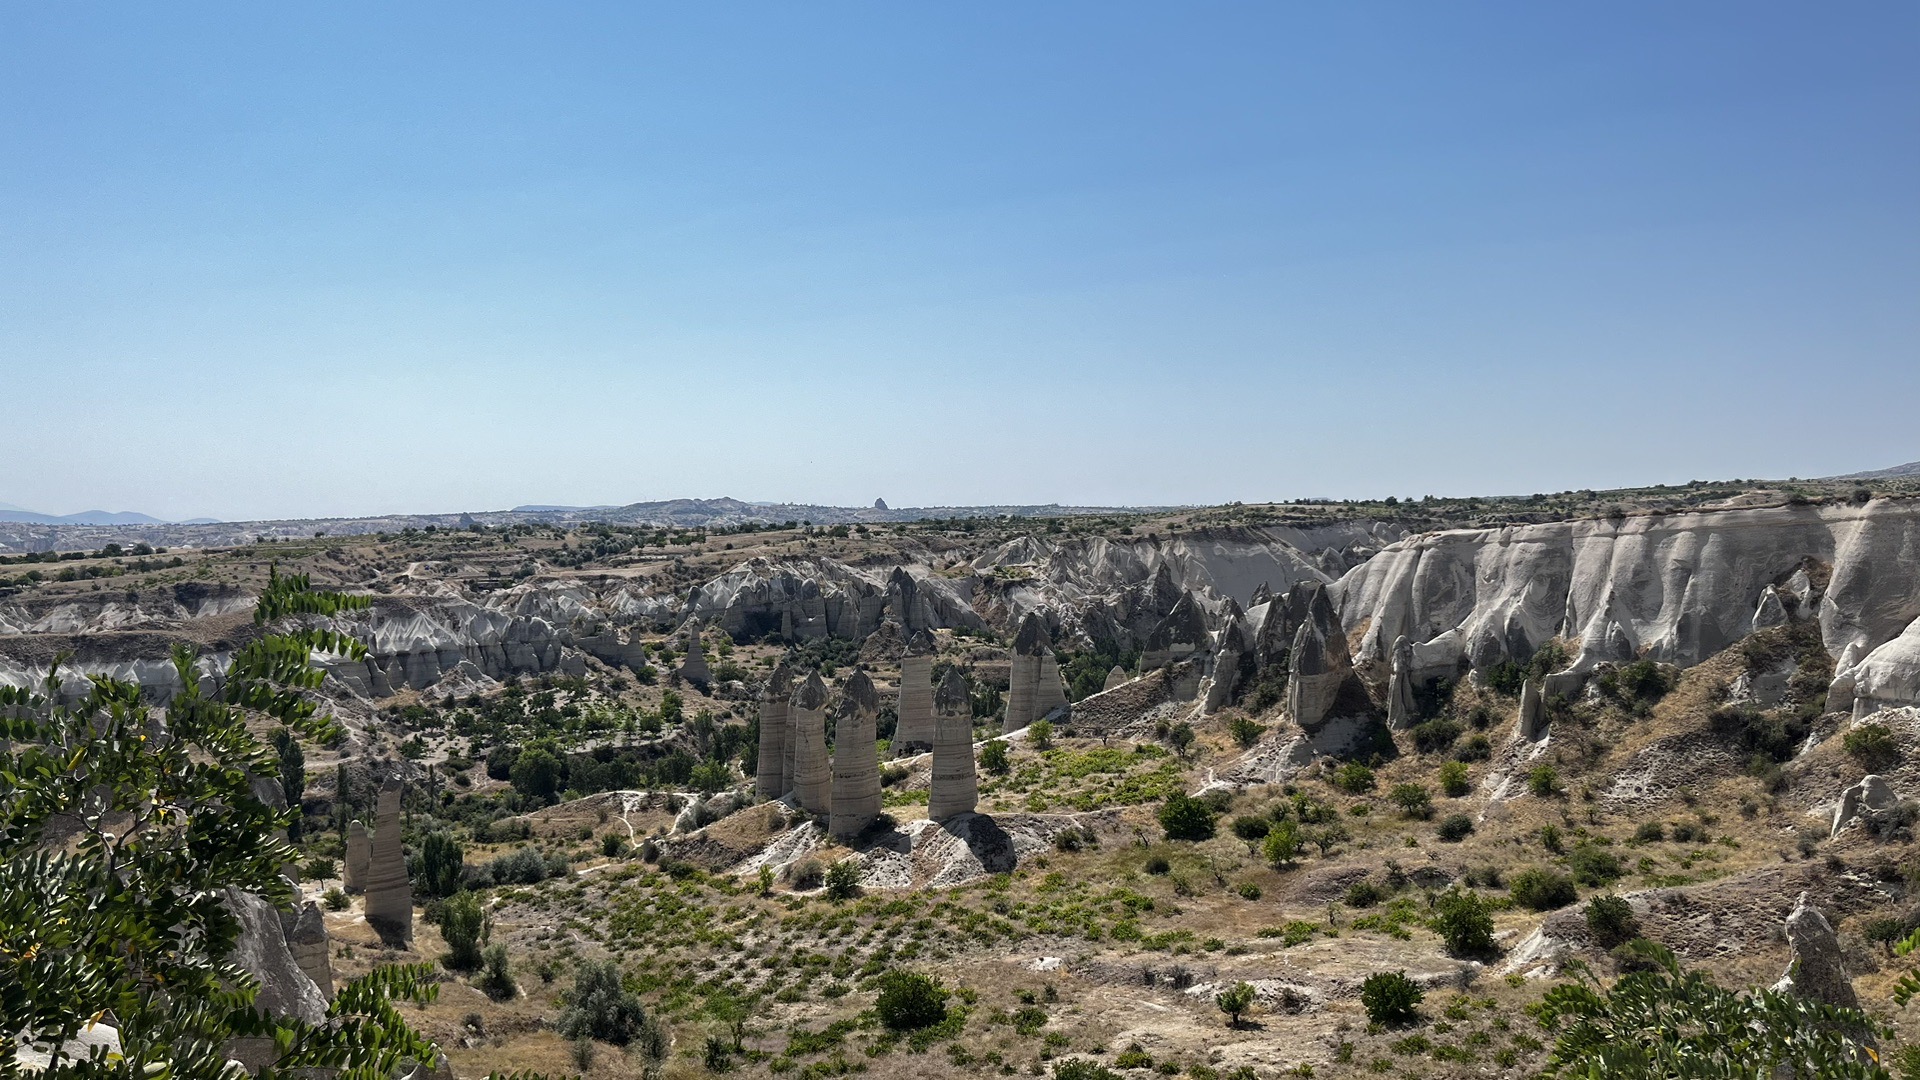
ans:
(269, 263)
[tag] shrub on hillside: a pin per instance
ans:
(1414, 800)
(1390, 997)
(1186, 818)
(1593, 865)
(1453, 779)
(1473, 748)
(1611, 921)
(1542, 890)
(1543, 781)
(601, 1007)
(1353, 778)
(1455, 828)
(1873, 746)
(1461, 918)
(909, 1000)
(1435, 736)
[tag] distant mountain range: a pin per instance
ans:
(10, 512)
(1911, 468)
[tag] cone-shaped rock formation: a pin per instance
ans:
(856, 760)
(915, 730)
(770, 777)
(954, 789)
(389, 905)
(812, 778)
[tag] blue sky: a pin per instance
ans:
(259, 260)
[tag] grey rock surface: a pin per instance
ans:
(771, 773)
(389, 903)
(954, 786)
(812, 774)
(1817, 971)
(856, 760)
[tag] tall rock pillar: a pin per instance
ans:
(856, 760)
(1026, 681)
(389, 906)
(695, 669)
(1400, 703)
(1319, 664)
(915, 731)
(359, 857)
(812, 782)
(770, 779)
(954, 788)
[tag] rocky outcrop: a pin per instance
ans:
(803, 599)
(1318, 667)
(1817, 971)
(915, 709)
(694, 669)
(1232, 660)
(389, 904)
(1888, 677)
(1869, 798)
(856, 760)
(1400, 703)
(309, 945)
(771, 776)
(812, 778)
(1675, 588)
(260, 949)
(1532, 719)
(1181, 634)
(954, 787)
(359, 857)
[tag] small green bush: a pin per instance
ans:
(1473, 748)
(1390, 997)
(1414, 800)
(1186, 818)
(1543, 781)
(1453, 779)
(1245, 731)
(1235, 1000)
(1650, 832)
(1363, 893)
(1455, 828)
(1435, 736)
(1873, 746)
(1593, 865)
(909, 1000)
(1353, 778)
(843, 880)
(1611, 921)
(1542, 890)
(1461, 918)
(993, 758)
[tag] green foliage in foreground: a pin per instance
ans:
(120, 832)
(1668, 1023)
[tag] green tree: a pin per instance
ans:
(993, 757)
(600, 1007)
(1235, 1000)
(1353, 778)
(1186, 818)
(1461, 918)
(1390, 997)
(131, 914)
(1282, 844)
(1040, 734)
(463, 924)
(1181, 737)
(441, 864)
(1453, 779)
(1414, 800)
(293, 778)
(537, 773)
(1664, 1022)
(910, 1000)
(843, 880)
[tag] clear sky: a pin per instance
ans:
(284, 260)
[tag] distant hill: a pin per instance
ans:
(1911, 468)
(10, 512)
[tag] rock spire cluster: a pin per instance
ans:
(1033, 685)
(1318, 665)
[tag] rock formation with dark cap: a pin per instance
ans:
(915, 710)
(954, 788)
(856, 760)
(812, 775)
(770, 774)
(389, 905)
(359, 857)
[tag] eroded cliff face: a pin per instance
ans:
(1675, 588)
